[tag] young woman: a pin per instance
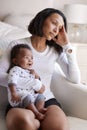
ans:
(50, 44)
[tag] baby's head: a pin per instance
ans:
(21, 55)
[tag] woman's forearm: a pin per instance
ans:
(68, 63)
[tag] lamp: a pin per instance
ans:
(76, 15)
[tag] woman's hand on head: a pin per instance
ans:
(62, 38)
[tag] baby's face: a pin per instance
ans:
(25, 58)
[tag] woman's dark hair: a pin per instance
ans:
(14, 53)
(36, 25)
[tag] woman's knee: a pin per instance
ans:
(21, 119)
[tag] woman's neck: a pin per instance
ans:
(39, 43)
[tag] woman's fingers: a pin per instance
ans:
(62, 38)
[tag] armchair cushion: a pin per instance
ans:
(73, 97)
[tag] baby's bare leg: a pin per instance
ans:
(40, 106)
(28, 104)
(33, 108)
(40, 102)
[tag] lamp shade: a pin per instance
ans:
(76, 13)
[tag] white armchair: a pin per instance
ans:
(73, 98)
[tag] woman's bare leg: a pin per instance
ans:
(21, 119)
(55, 119)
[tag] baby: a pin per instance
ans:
(25, 88)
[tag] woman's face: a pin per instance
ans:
(52, 25)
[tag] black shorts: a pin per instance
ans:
(52, 101)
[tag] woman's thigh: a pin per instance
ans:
(55, 119)
(21, 119)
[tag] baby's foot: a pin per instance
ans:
(43, 110)
(40, 116)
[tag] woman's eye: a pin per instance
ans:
(54, 22)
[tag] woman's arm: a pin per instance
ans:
(67, 60)
(68, 64)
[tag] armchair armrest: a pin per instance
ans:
(73, 97)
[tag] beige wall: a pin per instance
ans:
(23, 6)
(32, 6)
(59, 4)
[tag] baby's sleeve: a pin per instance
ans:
(13, 75)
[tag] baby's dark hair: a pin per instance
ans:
(15, 51)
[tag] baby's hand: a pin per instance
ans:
(42, 89)
(32, 71)
(15, 97)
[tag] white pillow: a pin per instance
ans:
(19, 20)
(10, 32)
